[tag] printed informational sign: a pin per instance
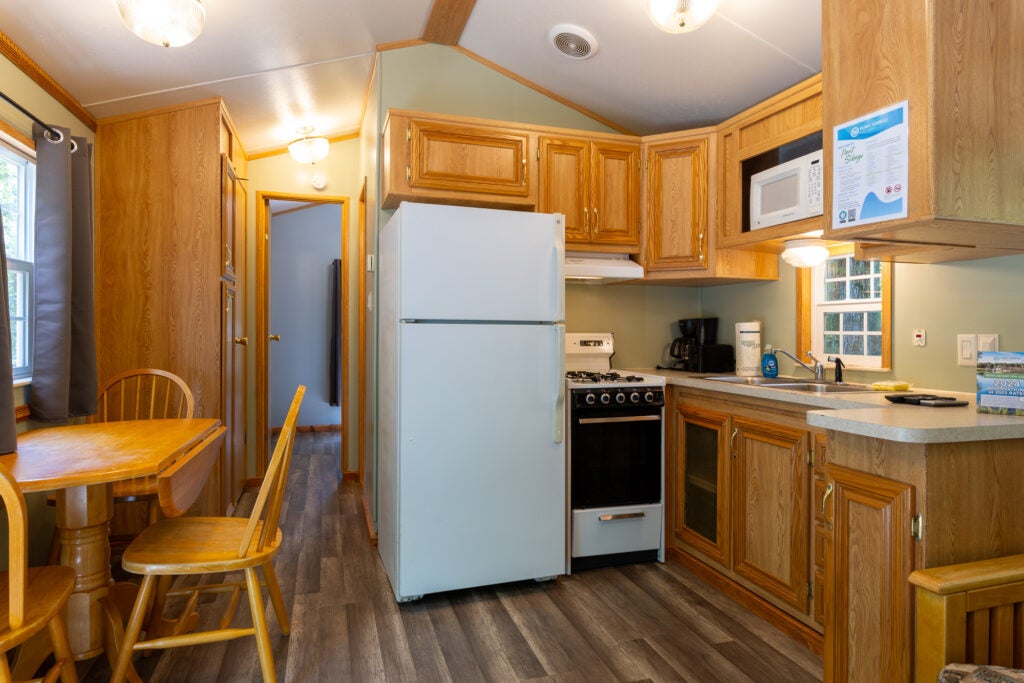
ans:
(870, 161)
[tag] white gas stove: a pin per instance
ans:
(588, 364)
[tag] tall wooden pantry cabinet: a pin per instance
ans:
(170, 264)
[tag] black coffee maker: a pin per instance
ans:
(695, 349)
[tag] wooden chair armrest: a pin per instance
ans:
(959, 578)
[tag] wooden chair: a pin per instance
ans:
(31, 598)
(142, 394)
(212, 545)
(971, 613)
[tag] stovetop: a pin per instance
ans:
(588, 364)
(606, 379)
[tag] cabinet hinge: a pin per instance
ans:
(917, 527)
(408, 173)
(810, 456)
(408, 134)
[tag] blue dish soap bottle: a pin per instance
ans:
(769, 363)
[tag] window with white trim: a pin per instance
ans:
(17, 201)
(846, 316)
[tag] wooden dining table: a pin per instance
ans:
(81, 462)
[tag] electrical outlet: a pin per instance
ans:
(967, 349)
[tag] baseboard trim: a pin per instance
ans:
(370, 531)
(798, 631)
(310, 428)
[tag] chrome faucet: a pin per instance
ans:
(818, 368)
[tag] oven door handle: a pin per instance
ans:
(629, 418)
(621, 515)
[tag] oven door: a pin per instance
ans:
(615, 456)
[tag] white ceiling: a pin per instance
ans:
(281, 65)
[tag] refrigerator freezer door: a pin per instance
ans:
(481, 470)
(461, 263)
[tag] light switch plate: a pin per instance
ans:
(920, 338)
(988, 342)
(967, 350)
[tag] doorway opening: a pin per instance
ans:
(316, 314)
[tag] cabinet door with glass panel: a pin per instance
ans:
(700, 509)
(845, 311)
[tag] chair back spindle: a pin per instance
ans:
(144, 394)
(271, 492)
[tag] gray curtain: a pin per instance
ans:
(64, 362)
(8, 434)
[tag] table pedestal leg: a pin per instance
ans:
(83, 517)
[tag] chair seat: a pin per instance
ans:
(196, 545)
(47, 589)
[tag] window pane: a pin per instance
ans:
(835, 291)
(10, 200)
(835, 268)
(860, 267)
(876, 284)
(860, 289)
(853, 322)
(874, 345)
(874, 321)
(831, 322)
(853, 344)
(831, 343)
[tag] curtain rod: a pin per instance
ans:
(49, 129)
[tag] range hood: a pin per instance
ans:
(600, 269)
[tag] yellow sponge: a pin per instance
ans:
(891, 385)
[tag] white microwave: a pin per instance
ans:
(787, 192)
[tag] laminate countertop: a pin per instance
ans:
(868, 413)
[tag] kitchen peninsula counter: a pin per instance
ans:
(870, 414)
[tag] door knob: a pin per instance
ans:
(275, 337)
(242, 341)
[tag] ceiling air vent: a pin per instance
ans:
(573, 41)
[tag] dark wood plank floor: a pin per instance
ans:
(648, 622)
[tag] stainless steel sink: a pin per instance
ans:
(755, 381)
(794, 384)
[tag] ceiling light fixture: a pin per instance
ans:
(307, 150)
(805, 253)
(171, 23)
(680, 16)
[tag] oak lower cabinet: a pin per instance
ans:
(595, 183)
(170, 268)
(450, 160)
(894, 507)
(739, 495)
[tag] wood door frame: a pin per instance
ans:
(262, 345)
(361, 370)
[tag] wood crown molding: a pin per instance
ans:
(28, 66)
(447, 20)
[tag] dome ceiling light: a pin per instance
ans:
(804, 253)
(306, 149)
(680, 16)
(170, 23)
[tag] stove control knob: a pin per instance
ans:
(634, 397)
(620, 397)
(590, 399)
(648, 396)
(606, 399)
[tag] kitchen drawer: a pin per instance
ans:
(623, 529)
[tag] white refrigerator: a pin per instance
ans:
(471, 453)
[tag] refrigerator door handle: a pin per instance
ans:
(560, 384)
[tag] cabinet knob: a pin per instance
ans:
(242, 341)
(275, 337)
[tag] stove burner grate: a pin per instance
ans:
(595, 377)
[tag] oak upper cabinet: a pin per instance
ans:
(596, 184)
(785, 125)
(169, 250)
(454, 160)
(958, 66)
(679, 213)
(868, 632)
